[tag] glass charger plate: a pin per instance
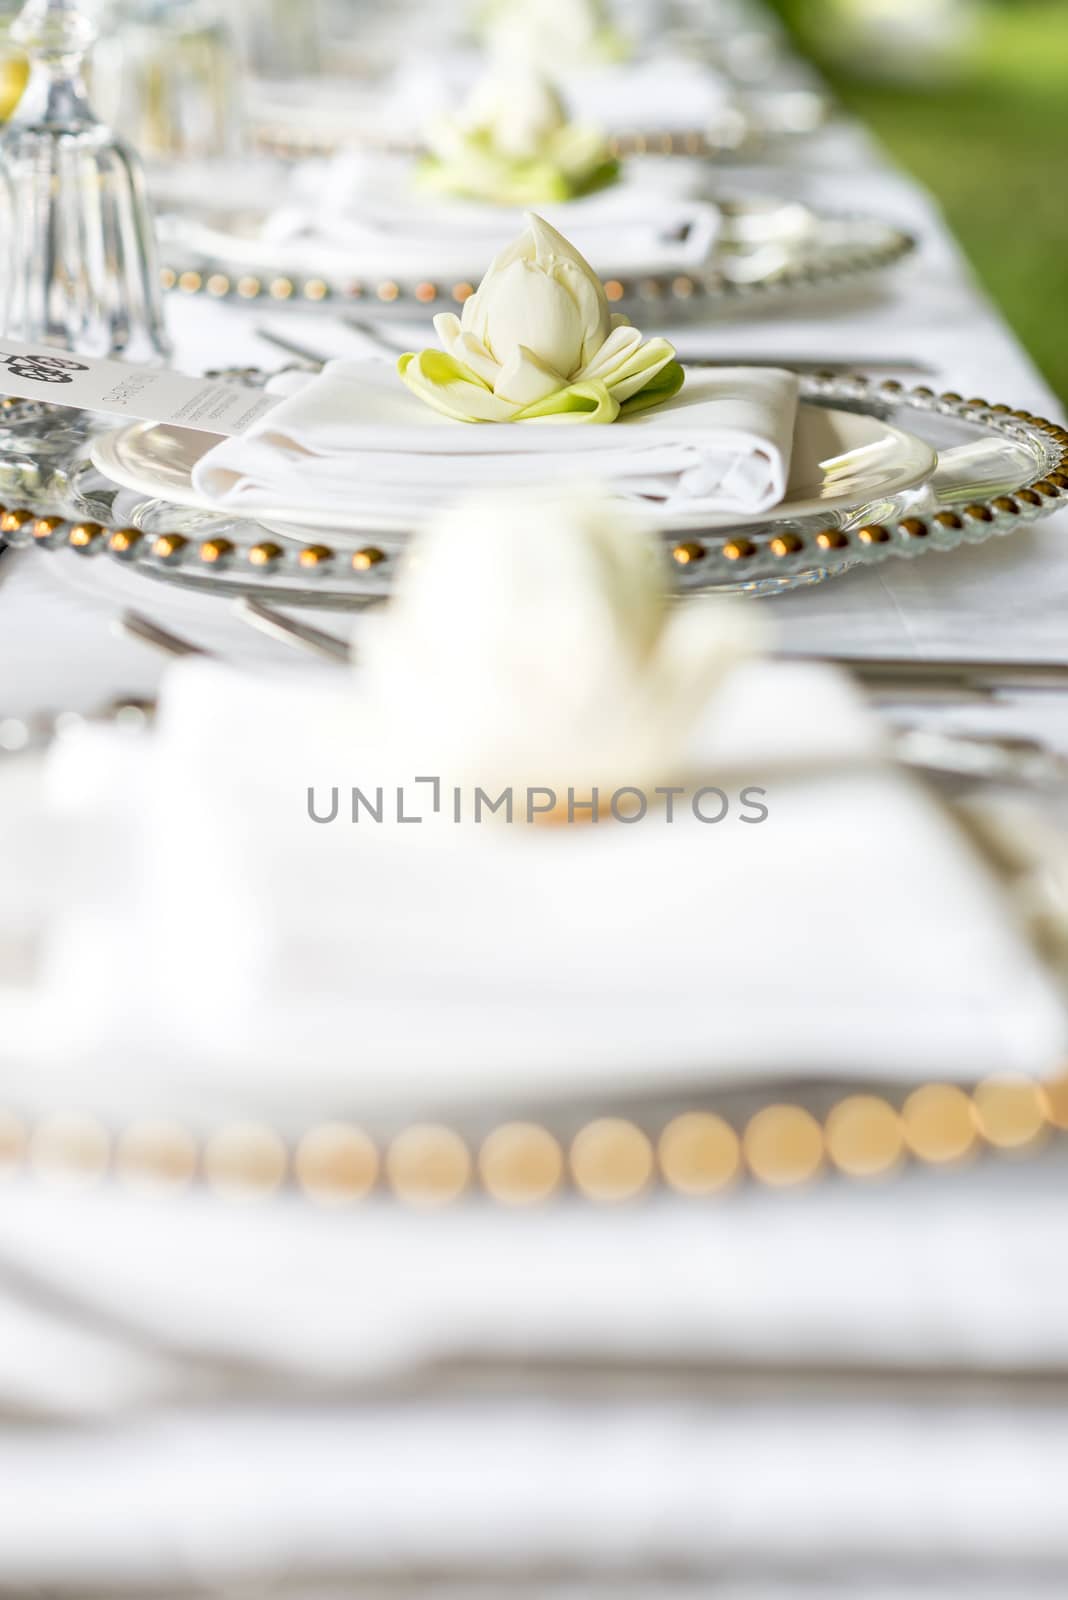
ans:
(839, 458)
(754, 123)
(998, 468)
(769, 250)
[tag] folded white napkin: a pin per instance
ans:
(480, 1394)
(660, 94)
(355, 435)
(929, 1274)
(666, 94)
(366, 968)
(664, 236)
(791, 1497)
(362, 216)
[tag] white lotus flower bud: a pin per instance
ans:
(518, 108)
(538, 333)
(544, 33)
(540, 295)
(534, 641)
(512, 143)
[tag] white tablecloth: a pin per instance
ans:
(649, 1404)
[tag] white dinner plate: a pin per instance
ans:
(841, 459)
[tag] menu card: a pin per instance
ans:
(147, 394)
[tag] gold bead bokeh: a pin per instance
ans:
(196, 278)
(156, 1153)
(336, 1163)
(608, 1161)
(699, 1154)
(940, 1124)
(521, 1164)
(865, 1137)
(783, 1146)
(611, 1160)
(428, 1165)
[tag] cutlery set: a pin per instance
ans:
(809, 363)
(971, 758)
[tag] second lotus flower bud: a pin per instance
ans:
(513, 143)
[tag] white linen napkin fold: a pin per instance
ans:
(667, 235)
(929, 1275)
(662, 94)
(504, 1497)
(354, 434)
(371, 968)
(363, 216)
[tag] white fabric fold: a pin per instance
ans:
(921, 1275)
(355, 435)
(547, 962)
(361, 216)
(661, 94)
(492, 1495)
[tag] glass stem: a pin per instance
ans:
(55, 96)
(56, 36)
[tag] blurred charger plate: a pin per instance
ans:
(768, 250)
(300, 118)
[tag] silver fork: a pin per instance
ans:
(883, 683)
(1019, 762)
(135, 625)
(315, 359)
(315, 641)
(886, 679)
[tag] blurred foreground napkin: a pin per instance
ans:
(926, 1272)
(363, 967)
(355, 434)
(202, 1396)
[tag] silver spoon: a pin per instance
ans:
(315, 641)
(1020, 762)
(135, 625)
(809, 364)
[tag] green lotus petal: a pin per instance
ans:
(455, 390)
(621, 346)
(613, 45)
(661, 386)
(640, 368)
(602, 176)
(579, 402)
(533, 182)
(573, 161)
(450, 387)
(437, 366)
(479, 175)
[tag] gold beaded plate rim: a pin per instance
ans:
(158, 460)
(230, 560)
(209, 264)
(701, 1152)
(751, 127)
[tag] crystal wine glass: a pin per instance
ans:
(77, 252)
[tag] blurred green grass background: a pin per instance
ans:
(991, 142)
